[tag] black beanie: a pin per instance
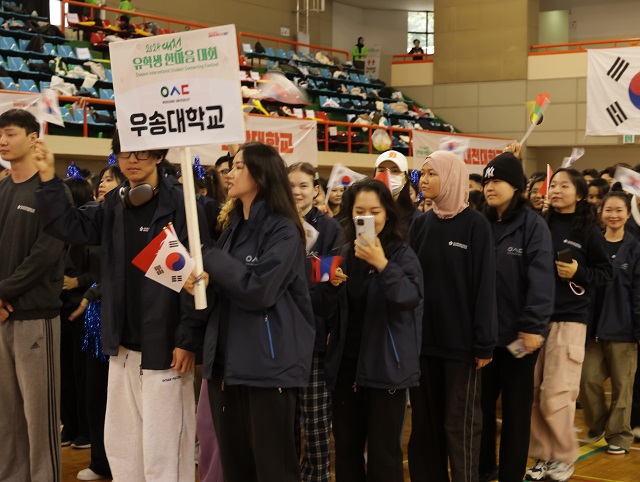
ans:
(505, 167)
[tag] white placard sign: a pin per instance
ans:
(178, 90)
(294, 139)
(479, 150)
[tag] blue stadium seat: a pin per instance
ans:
(107, 94)
(8, 43)
(16, 64)
(9, 84)
(109, 75)
(44, 85)
(27, 85)
(49, 49)
(66, 51)
(22, 44)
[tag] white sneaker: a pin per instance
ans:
(560, 471)
(88, 474)
(537, 472)
(636, 432)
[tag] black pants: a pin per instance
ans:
(367, 416)
(446, 422)
(255, 428)
(72, 377)
(96, 396)
(635, 408)
(513, 377)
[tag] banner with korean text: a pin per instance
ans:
(294, 139)
(479, 150)
(178, 90)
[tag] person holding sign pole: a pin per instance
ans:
(150, 332)
(260, 336)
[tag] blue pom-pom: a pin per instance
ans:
(415, 177)
(73, 172)
(92, 343)
(199, 170)
(112, 159)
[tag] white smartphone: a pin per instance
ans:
(365, 225)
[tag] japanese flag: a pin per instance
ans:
(165, 260)
(343, 176)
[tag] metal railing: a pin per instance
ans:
(411, 58)
(292, 44)
(572, 47)
(144, 16)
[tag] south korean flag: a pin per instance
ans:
(613, 92)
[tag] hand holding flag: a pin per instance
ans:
(324, 268)
(343, 176)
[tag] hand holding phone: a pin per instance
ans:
(365, 225)
(565, 256)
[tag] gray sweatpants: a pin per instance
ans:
(30, 401)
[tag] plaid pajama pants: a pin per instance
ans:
(314, 406)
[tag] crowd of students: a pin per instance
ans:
(531, 298)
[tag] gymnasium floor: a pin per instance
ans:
(594, 464)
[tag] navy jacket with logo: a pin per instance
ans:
(389, 356)
(329, 243)
(167, 321)
(271, 327)
(619, 316)
(594, 268)
(457, 257)
(525, 281)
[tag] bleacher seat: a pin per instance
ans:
(66, 51)
(27, 85)
(44, 85)
(107, 94)
(50, 49)
(109, 75)
(8, 43)
(16, 64)
(9, 84)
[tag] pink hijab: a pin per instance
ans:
(454, 183)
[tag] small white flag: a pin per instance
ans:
(49, 108)
(629, 179)
(576, 153)
(456, 145)
(312, 235)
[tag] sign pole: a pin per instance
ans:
(193, 229)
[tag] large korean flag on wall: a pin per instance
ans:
(613, 92)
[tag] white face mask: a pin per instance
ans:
(396, 182)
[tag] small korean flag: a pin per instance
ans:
(166, 261)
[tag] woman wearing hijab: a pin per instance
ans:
(456, 251)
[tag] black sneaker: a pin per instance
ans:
(81, 442)
(65, 439)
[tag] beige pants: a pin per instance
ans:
(556, 384)
(618, 361)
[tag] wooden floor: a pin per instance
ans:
(594, 465)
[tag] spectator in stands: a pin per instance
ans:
(607, 174)
(416, 50)
(614, 332)
(31, 275)
(359, 54)
(590, 174)
(126, 6)
(475, 182)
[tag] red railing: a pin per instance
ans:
(291, 43)
(145, 16)
(573, 47)
(411, 58)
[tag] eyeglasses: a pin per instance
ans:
(139, 155)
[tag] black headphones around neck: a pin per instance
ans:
(133, 197)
